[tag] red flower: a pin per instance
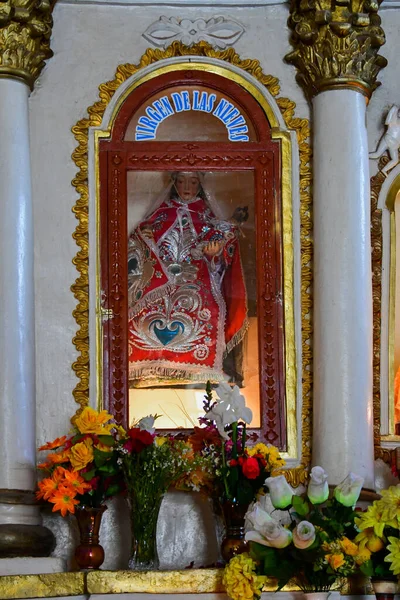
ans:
(138, 439)
(233, 463)
(251, 468)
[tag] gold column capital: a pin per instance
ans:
(336, 44)
(25, 30)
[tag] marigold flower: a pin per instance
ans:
(64, 500)
(92, 421)
(81, 454)
(58, 442)
(240, 579)
(348, 547)
(335, 560)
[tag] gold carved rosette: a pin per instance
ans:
(336, 44)
(25, 31)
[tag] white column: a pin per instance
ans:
(17, 340)
(342, 413)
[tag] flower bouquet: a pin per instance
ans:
(240, 470)
(311, 545)
(82, 472)
(379, 538)
(151, 464)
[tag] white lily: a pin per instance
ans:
(147, 423)
(231, 407)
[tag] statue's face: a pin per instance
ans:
(187, 185)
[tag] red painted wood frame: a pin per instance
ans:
(263, 157)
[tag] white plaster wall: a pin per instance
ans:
(389, 91)
(89, 41)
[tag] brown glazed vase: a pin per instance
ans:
(89, 554)
(233, 542)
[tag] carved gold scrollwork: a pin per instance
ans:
(25, 30)
(336, 44)
(295, 476)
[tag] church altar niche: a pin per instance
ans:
(192, 261)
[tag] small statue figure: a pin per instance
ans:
(390, 140)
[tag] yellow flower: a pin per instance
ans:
(348, 547)
(389, 504)
(160, 440)
(394, 555)
(373, 517)
(120, 431)
(240, 579)
(81, 454)
(363, 555)
(91, 421)
(270, 453)
(335, 560)
(103, 447)
(368, 539)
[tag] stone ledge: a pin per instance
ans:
(42, 586)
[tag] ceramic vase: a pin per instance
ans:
(89, 554)
(385, 589)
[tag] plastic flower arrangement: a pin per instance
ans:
(83, 467)
(151, 464)
(240, 470)
(314, 542)
(379, 536)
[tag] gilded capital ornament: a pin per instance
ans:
(336, 44)
(25, 30)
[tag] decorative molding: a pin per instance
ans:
(301, 127)
(336, 44)
(218, 31)
(25, 30)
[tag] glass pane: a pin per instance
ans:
(192, 292)
(185, 113)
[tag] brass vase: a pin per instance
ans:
(233, 542)
(89, 554)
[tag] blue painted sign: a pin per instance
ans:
(178, 102)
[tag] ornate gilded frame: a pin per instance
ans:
(80, 288)
(377, 182)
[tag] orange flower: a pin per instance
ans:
(64, 500)
(76, 482)
(335, 560)
(45, 466)
(58, 457)
(363, 555)
(58, 442)
(46, 488)
(91, 421)
(349, 547)
(81, 454)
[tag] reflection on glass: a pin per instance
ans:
(192, 311)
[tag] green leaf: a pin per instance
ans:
(112, 490)
(107, 440)
(367, 568)
(300, 505)
(89, 475)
